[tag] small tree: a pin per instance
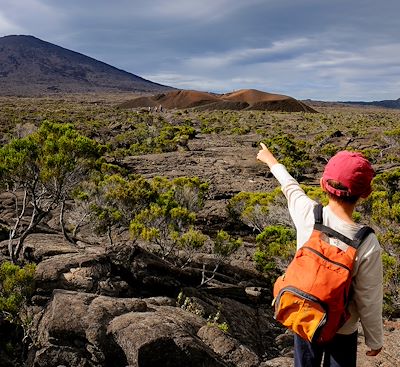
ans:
(163, 226)
(45, 166)
(191, 242)
(168, 221)
(113, 200)
(258, 210)
(224, 246)
(16, 287)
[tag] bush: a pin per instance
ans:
(259, 210)
(293, 154)
(316, 193)
(383, 210)
(16, 287)
(191, 242)
(391, 266)
(225, 245)
(168, 221)
(276, 245)
(46, 165)
(113, 200)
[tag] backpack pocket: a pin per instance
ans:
(303, 313)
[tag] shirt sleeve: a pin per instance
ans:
(368, 293)
(299, 204)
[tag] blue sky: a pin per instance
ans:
(325, 50)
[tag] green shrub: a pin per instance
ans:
(46, 165)
(329, 150)
(112, 200)
(316, 193)
(371, 154)
(225, 245)
(214, 321)
(293, 154)
(168, 222)
(190, 242)
(17, 285)
(151, 137)
(259, 209)
(383, 210)
(391, 281)
(276, 245)
(242, 130)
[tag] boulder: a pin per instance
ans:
(73, 330)
(163, 336)
(228, 348)
(74, 271)
(278, 362)
(84, 329)
(251, 325)
(39, 246)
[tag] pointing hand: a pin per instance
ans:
(264, 155)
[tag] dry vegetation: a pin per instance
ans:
(177, 143)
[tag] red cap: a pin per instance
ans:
(352, 170)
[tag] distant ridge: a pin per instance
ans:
(30, 67)
(389, 103)
(244, 99)
(394, 104)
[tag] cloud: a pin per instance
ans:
(307, 48)
(205, 11)
(307, 71)
(195, 82)
(279, 50)
(7, 27)
(29, 16)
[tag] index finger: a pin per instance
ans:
(263, 146)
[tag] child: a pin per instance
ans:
(347, 178)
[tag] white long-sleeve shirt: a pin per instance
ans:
(367, 284)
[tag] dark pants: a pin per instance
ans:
(340, 352)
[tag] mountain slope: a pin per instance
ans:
(389, 103)
(30, 66)
(244, 99)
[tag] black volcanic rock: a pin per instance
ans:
(30, 66)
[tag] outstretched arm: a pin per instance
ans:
(299, 204)
(264, 155)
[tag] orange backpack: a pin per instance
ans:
(311, 298)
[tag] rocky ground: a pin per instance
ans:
(100, 305)
(231, 166)
(390, 355)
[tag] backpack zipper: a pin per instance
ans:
(326, 258)
(302, 294)
(309, 297)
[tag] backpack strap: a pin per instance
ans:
(361, 234)
(318, 213)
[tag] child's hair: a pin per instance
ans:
(351, 199)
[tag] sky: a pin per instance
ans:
(330, 50)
